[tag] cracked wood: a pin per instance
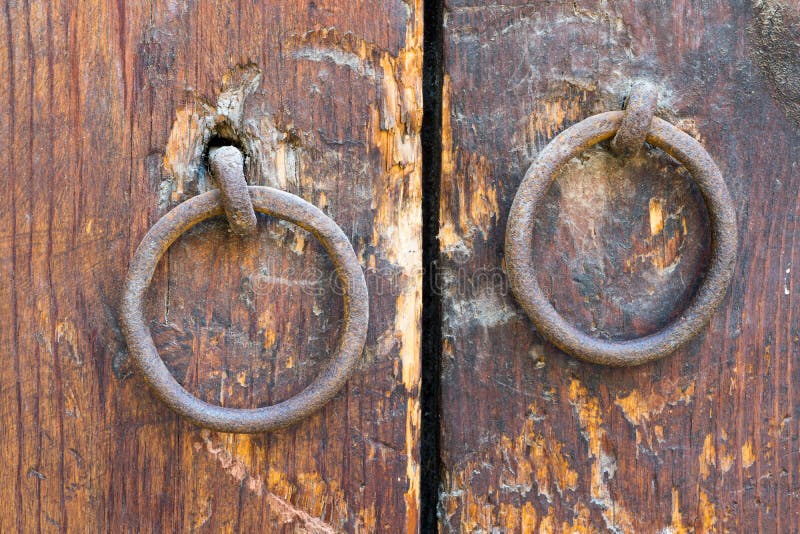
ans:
(704, 441)
(109, 108)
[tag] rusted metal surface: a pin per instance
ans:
(639, 111)
(775, 38)
(227, 167)
(143, 352)
(521, 260)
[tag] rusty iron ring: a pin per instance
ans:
(284, 206)
(520, 260)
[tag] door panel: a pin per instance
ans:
(108, 109)
(703, 440)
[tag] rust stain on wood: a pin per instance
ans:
(707, 514)
(748, 456)
(476, 199)
(656, 216)
(604, 464)
(677, 526)
(708, 456)
(532, 464)
(640, 410)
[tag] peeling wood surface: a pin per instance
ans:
(108, 108)
(706, 440)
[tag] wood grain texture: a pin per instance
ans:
(706, 440)
(107, 106)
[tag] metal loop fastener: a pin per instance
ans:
(520, 258)
(227, 167)
(639, 111)
(284, 206)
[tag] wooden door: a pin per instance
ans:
(461, 416)
(705, 440)
(108, 108)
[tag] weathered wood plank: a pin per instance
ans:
(705, 440)
(105, 108)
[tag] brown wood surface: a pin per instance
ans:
(705, 440)
(107, 107)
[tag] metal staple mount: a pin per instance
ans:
(227, 167)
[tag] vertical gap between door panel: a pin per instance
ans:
(432, 75)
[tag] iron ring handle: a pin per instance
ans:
(284, 206)
(520, 260)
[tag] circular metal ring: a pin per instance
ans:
(284, 206)
(520, 258)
